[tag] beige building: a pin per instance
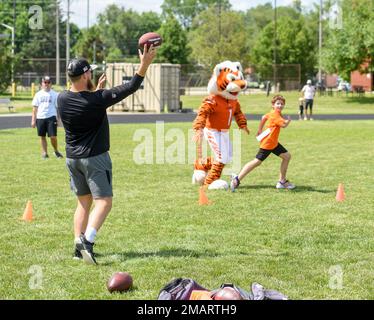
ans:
(159, 91)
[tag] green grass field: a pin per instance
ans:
(260, 104)
(257, 103)
(285, 240)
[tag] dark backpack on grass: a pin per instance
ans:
(179, 289)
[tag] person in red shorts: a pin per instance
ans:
(269, 144)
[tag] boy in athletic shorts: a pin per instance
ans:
(269, 144)
(44, 116)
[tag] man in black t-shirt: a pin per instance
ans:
(83, 115)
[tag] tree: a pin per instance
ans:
(257, 18)
(89, 41)
(186, 10)
(294, 46)
(5, 76)
(121, 29)
(351, 44)
(174, 48)
(214, 39)
(33, 42)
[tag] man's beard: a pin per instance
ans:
(90, 85)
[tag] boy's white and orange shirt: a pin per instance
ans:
(274, 122)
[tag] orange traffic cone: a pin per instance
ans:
(340, 195)
(27, 214)
(203, 199)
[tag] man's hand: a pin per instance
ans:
(245, 129)
(101, 82)
(198, 136)
(146, 57)
(33, 123)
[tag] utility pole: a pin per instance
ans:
(320, 44)
(67, 41)
(275, 47)
(57, 43)
(88, 14)
(219, 29)
(13, 46)
(13, 43)
(94, 59)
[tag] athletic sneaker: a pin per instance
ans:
(285, 185)
(77, 254)
(45, 156)
(58, 154)
(86, 249)
(305, 118)
(235, 182)
(311, 119)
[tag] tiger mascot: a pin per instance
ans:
(213, 121)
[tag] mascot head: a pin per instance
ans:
(227, 80)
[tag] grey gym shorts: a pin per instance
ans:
(91, 175)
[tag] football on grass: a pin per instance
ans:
(148, 39)
(119, 282)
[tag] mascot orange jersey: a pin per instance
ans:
(217, 110)
(214, 120)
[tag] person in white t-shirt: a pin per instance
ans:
(308, 92)
(44, 116)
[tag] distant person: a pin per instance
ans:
(268, 88)
(301, 108)
(44, 116)
(84, 117)
(269, 144)
(308, 91)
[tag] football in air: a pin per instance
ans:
(148, 39)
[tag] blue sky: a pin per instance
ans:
(79, 7)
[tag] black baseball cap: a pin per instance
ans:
(79, 66)
(46, 79)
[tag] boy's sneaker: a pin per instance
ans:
(235, 182)
(305, 118)
(86, 249)
(58, 154)
(285, 185)
(45, 156)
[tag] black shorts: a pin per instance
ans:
(48, 125)
(308, 103)
(263, 153)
